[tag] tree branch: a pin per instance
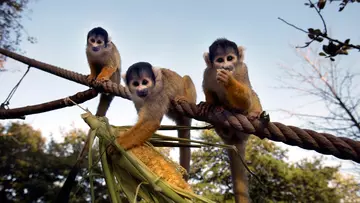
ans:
(331, 50)
(78, 98)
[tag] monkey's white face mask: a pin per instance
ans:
(96, 43)
(226, 62)
(142, 86)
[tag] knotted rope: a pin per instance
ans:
(341, 147)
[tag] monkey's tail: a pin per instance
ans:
(104, 104)
(185, 152)
(238, 171)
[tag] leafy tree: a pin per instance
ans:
(11, 29)
(33, 171)
(306, 181)
(348, 186)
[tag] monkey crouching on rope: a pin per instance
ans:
(152, 90)
(105, 64)
(226, 83)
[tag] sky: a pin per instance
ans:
(171, 34)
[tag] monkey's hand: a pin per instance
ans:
(180, 99)
(238, 94)
(223, 77)
(106, 73)
(138, 134)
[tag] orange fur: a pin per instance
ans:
(139, 133)
(238, 94)
(106, 73)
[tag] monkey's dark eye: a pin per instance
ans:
(92, 40)
(220, 60)
(135, 83)
(230, 58)
(99, 41)
(145, 82)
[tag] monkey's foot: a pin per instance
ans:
(253, 115)
(223, 76)
(103, 79)
(110, 150)
(127, 143)
(90, 78)
(204, 107)
(265, 116)
(218, 109)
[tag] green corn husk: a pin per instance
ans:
(127, 174)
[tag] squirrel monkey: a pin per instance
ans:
(105, 64)
(226, 83)
(152, 90)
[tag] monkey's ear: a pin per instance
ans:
(124, 77)
(158, 78)
(206, 58)
(241, 53)
(108, 41)
(157, 73)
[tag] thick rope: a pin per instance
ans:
(109, 86)
(341, 147)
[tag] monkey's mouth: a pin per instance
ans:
(142, 93)
(96, 49)
(228, 68)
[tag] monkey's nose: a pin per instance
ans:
(96, 48)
